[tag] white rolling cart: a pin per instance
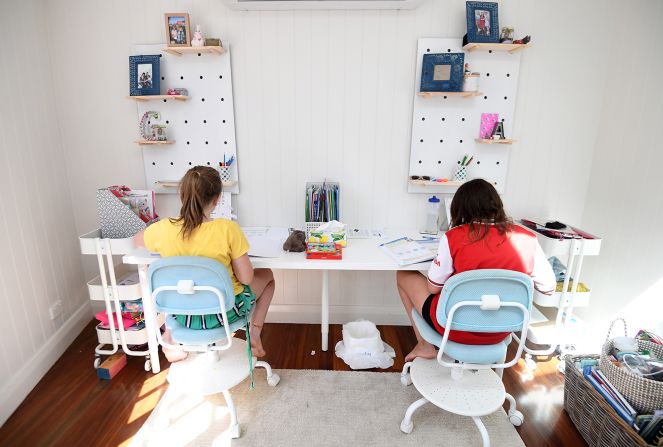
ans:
(117, 283)
(553, 322)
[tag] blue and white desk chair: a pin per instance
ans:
(461, 379)
(192, 285)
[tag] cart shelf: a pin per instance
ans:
(128, 285)
(121, 246)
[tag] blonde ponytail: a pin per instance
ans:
(198, 188)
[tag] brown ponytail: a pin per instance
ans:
(198, 188)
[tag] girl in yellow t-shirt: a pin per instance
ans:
(194, 233)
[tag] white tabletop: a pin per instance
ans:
(360, 254)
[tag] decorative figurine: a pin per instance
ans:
(498, 132)
(524, 40)
(507, 35)
(198, 40)
(149, 131)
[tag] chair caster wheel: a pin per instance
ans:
(148, 365)
(530, 364)
(406, 379)
(407, 428)
(273, 380)
(97, 362)
(234, 431)
(516, 418)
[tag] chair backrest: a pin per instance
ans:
(202, 272)
(509, 286)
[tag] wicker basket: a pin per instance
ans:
(596, 420)
(645, 395)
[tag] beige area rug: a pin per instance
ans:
(316, 408)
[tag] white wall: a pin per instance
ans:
(625, 197)
(40, 263)
(329, 94)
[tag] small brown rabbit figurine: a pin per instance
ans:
(296, 242)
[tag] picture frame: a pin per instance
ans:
(144, 75)
(482, 22)
(442, 72)
(178, 29)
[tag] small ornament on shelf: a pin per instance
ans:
(212, 42)
(149, 131)
(524, 41)
(198, 40)
(470, 79)
(178, 92)
(498, 132)
(507, 35)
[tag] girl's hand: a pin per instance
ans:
(139, 239)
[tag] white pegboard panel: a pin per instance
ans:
(202, 127)
(444, 129)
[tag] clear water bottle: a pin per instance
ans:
(432, 225)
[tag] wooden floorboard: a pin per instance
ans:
(70, 406)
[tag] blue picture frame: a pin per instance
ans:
(144, 75)
(482, 22)
(442, 72)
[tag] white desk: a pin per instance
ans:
(360, 254)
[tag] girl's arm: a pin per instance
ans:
(139, 239)
(243, 269)
(441, 268)
(542, 273)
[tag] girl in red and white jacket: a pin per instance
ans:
(481, 237)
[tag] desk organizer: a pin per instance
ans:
(113, 285)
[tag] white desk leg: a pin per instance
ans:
(150, 324)
(325, 310)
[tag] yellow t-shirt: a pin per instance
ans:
(219, 239)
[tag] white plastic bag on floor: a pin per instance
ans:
(362, 347)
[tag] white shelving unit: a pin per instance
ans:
(553, 323)
(114, 284)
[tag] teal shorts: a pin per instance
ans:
(244, 302)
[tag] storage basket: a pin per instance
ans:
(645, 395)
(596, 420)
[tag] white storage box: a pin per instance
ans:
(128, 291)
(121, 246)
(133, 337)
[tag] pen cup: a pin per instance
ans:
(460, 174)
(224, 172)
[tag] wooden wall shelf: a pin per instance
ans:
(450, 184)
(178, 51)
(510, 47)
(490, 141)
(153, 97)
(150, 142)
(461, 94)
(176, 183)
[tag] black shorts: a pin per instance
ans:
(425, 310)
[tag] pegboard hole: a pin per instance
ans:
(490, 51)
(167, 122)
(201, 76)
(478, 162)
(220, 76)
(448, 50)
(181, 78)
(186, 122)
(187, 142)
(505, 97)
(225, 142)
(458, 162)
(201, 55)
(445, 97)
(154, 164)
(171, 163)
(190, 163)
(423, 119)
(461, 141)
(487, 75)
(419, 161)
(162, 78)
(222, 99)
(427, 50)
(165, 100)
(224, 121)
(507, 75)
(206, 142)
(439, 162)
(421, 141)
(485, 97)
(202, 99)
(204, 121)
(497, 162)
(441, 141)
(208, 163)
(462, 119)
(443, 119)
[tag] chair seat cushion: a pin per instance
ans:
(199, 337)
(479, 354)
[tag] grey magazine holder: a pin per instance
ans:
(116, 219)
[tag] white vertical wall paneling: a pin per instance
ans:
(329, 93)
(40, 262)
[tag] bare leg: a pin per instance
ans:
(173, 355)
(413, 289)
(263, 287)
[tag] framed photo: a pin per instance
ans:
(178, 30)
(144, 75)
(482, 22)
(442, 72)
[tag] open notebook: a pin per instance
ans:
(407, 251)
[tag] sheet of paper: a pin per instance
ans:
(407, 251)
(223, 208)
(266, 242)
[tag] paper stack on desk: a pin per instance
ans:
(265, 242)
(406, 251)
